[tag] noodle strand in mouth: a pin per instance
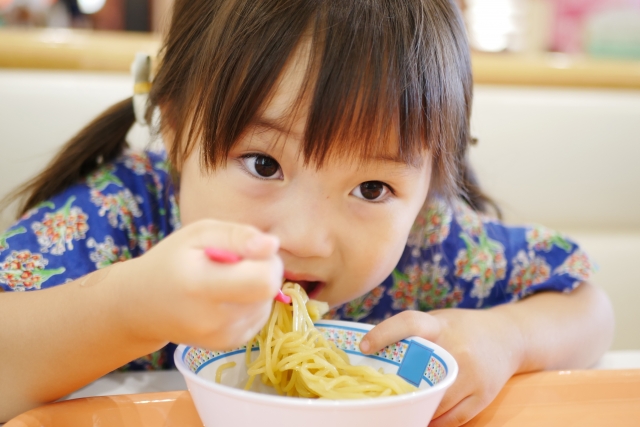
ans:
(298, 361)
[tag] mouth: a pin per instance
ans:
(310, 286)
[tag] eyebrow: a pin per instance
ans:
(388, 158)
(269, 124)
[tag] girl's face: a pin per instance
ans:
(342, 227)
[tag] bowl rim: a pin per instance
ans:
(452, 373)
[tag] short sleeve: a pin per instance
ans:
(478, 261)
(456, 257)
(118, 212)
(48, 245)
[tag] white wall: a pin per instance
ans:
(41, 110)
(562, 157)
(567, 158)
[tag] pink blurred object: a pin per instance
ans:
(569, 22)
(285, 299)
(227, 257)
(220, 255)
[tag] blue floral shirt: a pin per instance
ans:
(454, 257)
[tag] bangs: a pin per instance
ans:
(386, 78)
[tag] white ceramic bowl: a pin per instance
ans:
(421, 362)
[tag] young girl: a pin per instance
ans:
(322, 141)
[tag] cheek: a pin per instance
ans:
(219, 195)
(380, 249)
(203, 195)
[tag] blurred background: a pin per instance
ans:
(556, 109)
(597, 27)
(113, 15)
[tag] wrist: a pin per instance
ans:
(514, 332)
(130, 303)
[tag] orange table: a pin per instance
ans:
(548, 399)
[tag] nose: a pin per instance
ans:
(304, 226)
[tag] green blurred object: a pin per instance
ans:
(614, 33)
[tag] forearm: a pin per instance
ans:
(561, 331)
(57, 340)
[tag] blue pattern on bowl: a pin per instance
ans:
(348, 339)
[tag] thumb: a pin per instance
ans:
(403, 325)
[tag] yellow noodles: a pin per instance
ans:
(221, 369)
(297, 360)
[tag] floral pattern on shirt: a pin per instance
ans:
(104, 177)
(578, 265)
(544, 239)
(528, 270)
(59, 229)
(141, 165)
(468, 219)
(424, 287)
(31, 212)
(148, 237)
(4, 245)
(121, 209)
(454, 256)
(24, 271)
(361, 306)
(107, 253)
(431, 226)
(482, 262)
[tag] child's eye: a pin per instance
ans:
(261, 166)
(373, 191)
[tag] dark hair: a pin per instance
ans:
(375, 67)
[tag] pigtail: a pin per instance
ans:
(99, 142)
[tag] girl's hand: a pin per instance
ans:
(174, 293)
(485, 344)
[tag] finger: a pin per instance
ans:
(227, 325)
(246, 282)
(246, 241)
(399, 327)
(460, 414)
(460, 389)
(244, 328)
(254, 322)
